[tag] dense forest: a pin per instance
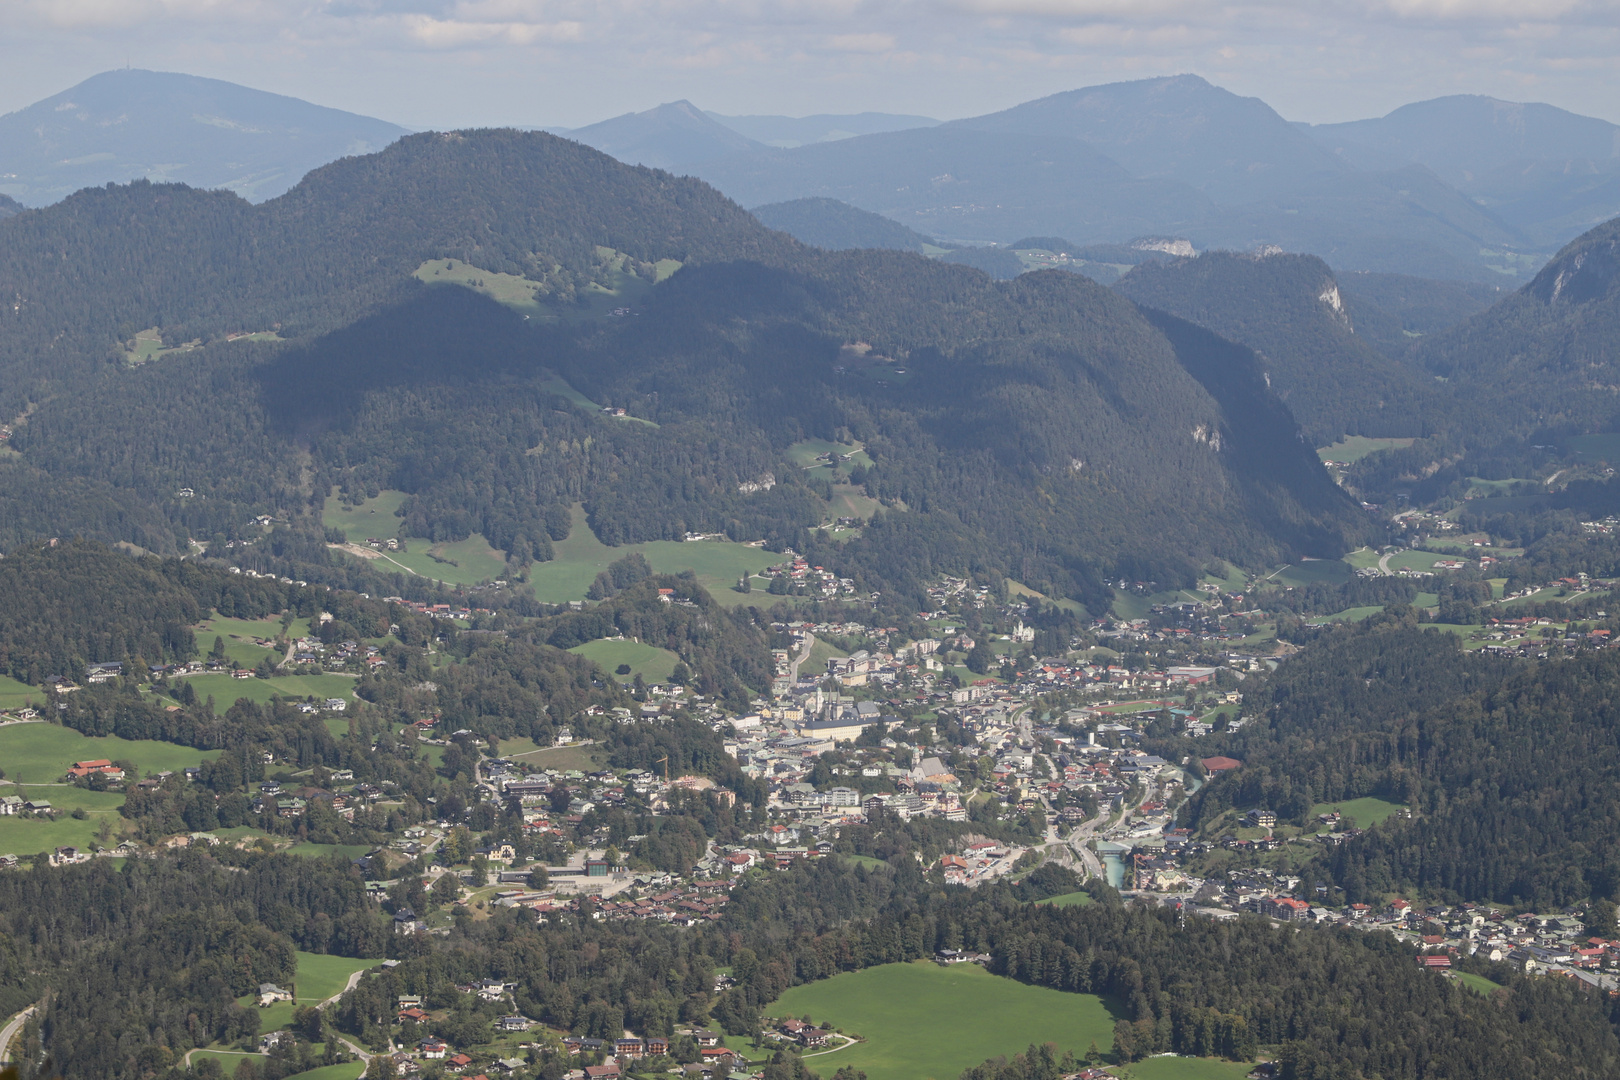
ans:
(1042, 428)
(1510, 768)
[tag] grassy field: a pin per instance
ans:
(562, 758)
(509, 289)
(318, 851)
(1312, 572)
(1353, 448)
(319, 977)
(461, 562)
(582, 556)
(926, 1022)
(804, 454)
(867, 861)
(29, 836)
(1417, 560)
(15, 695)
(227, 690)
(1355, 614)
(239, 635)
(1362, 558)
(41, 753)
(1477, 983)
(651, 663)
(228, 1059)
(1068, 899)
(1366, 812)
(351, 1071)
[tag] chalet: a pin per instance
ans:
(705, 1038)
(608, 1070)
(457, 1062)
(629, 1047)
(413, 1015)
(432, 1048)
(270, 993)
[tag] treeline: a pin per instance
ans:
(1510, 768)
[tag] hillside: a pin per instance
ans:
(1290, 309)
(1545, 171)
(786, 132)
(1394, 311)
(1547, 353)
(836, 226)
(998, 416)
(164, 127)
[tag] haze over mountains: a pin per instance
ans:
(129, 125)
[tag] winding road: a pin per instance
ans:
(9, 1032)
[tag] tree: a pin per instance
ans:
(218, 651)
(980, 659)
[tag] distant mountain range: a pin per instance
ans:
(131, 125)
(1461, 188)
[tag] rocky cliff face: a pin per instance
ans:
(1585, 271)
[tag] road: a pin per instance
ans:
(9, 1032)
(1383, 564)
(804, 654)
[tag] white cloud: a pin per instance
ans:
(862, 43)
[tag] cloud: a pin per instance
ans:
(863, 43)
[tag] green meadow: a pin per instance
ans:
(41, 753)
(30, 836)
(319, 977)
(1353, 448)
(227, 690)
(1366, 812)
(458, 562)
(578, 559)
(1313, 572)
(926, 1022)
(1072, 899)
(651, 663)
(15, 695)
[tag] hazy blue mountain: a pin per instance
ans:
(1394, 312)
(967, 185)
(786, 132)
(676, 137)
(1541, 169)
(837, 226)
(9, 206)
(1234, 149)
(129, 125)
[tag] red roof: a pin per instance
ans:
(1221, 764)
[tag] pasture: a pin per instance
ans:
(651, 663)
(41, 753)
(239, 635)
(578, 559)
(1366, 812)
(926, 1022)
(1353, 448)
(1182, 1068)
(16, 695)
(1479, 984)
(1418, 560)
(458, 562)
(1070, 899)
(30, 836)
(226, 690)
(805, 452)
(515, 292)
(319, 977)
(583, 758)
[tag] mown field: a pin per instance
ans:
(651, 663)
(1365, 812)
(41, 753)
(1072, 899)
(319, 977)
(227, 690)
(718, 564)
(30, 836)
(16, 695)
(461, 562)
(926, 1022)
(1353, 448)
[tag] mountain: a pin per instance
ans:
(1289, 308)
(1548, 353)
(835, 226)
(676, 137)
(1160, 156)
(1541, 169)
(1043, 428)
(1233, 149)
(1394, 311)
(9, 206)
(966, 185)
(786, 132)
(126, 125)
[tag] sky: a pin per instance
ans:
(464, 63)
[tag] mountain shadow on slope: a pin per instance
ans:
(1289, 308)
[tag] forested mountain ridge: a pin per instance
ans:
(1291, 310)
(1510, 768)
(1547, 354)
(1087, 421)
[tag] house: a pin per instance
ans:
(718, 1056)
(82, 769)
(412, 1015)
(628, 1047)
(514, 1022)
(608, 1070)
(657, 1046)
(10, 805)
(457, 1062)
(274, 1039)
(1285, 908)
(1263, 819)
(432, 1048)
(270, 993)
(705, 1038)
